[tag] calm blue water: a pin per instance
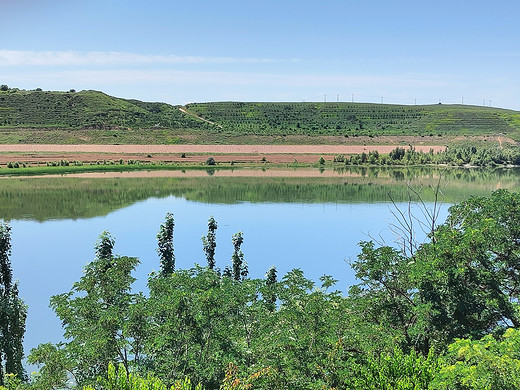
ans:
(321, 239)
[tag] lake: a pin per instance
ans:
(290, 219)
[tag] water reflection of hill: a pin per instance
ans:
(45, 198)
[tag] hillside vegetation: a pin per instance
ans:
(86, 110)
(94, 117)
(358, 119)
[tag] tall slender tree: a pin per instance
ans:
(104, 246)
(270, 288)
(210, 242)
(240, 270)
(13, 313)
(165, 245)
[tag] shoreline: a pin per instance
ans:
(277, 154)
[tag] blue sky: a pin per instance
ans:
(250, 50)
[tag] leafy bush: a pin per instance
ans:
(488, 363)
(394, 371)
(121, 379)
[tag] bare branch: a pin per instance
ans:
(404, 226)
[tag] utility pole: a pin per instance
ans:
(337, 100)
(463, 100)
(325, 98)
(352, 98)
(381, 100)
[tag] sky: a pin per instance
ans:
(396, 52)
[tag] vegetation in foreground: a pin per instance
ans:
(438, 315)
(94, 117)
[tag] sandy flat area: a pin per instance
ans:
(218, 149)
(42, 153)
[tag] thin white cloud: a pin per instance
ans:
(244, 79)
(10, 58)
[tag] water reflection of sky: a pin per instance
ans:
(318, 238)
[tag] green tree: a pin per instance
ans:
(13, 313)
(165, 245)
(240, 269)
(397, 154)
(210, 242)
(308, 341)
(468, 274)
(200, 323)
(98, 316)
(269, 291)
(385, 294)
(461, 284)
(57, 371)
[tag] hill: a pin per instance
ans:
(86, 110)
(351, 119)
(94, 117)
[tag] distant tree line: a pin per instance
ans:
(454, 156)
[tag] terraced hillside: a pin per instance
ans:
(358, 119)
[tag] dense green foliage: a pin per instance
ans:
(86, 109)
(350, 119)
(12, 313)
(102, 321)
(453, 156)
(443, 315)
(119, 379)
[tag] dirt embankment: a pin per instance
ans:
(39, 153)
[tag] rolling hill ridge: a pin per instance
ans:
(96, 111)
